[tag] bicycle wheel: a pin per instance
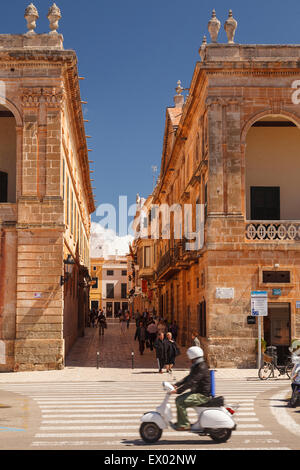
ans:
(265, 371)
(288, 369)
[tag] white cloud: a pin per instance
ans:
(105, 242)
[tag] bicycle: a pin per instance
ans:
(271, 369)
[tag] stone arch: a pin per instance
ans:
(267, 112)
(268, 149)
(13, 109)
(9, 117)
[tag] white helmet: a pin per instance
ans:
(194, 352)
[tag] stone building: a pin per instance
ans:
(110, 289)
(46, 199)
(233, 149)
(142, 290)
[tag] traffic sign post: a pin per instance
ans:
(259, 308)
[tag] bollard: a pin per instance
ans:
(98, 359)
(212, 383)
(132, 360)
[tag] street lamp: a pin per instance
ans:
(69, 264)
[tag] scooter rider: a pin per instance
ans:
(198, 381)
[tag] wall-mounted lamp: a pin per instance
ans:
(69, 264)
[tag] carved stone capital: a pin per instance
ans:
(33, 97)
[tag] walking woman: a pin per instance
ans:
(172, 351)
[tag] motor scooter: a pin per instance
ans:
(295, 398)
(213, 419)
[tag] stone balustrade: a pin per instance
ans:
(273, 231)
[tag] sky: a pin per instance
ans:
(132, 53)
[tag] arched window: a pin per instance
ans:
(7, 156)
(272, 170)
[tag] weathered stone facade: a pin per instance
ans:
(45, 211)
(237, 91)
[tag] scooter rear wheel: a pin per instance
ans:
(220, 435)
(150, 432)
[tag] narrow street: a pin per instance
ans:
(115, 349)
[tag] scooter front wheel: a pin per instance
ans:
(220, 435)
(150, 432)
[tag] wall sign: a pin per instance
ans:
(276, 292)
(225, 292)
(259, 303)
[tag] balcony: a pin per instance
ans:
(167, 266)
(8, 213)
(174, 260)
(272, 231)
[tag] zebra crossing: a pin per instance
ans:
(100, 415)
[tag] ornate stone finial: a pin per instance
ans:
(31, 15)
(230, 27)
(179, 98)
(214, 27)
(203, 48)
(54, 15)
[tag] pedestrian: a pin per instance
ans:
(152, 333)
(140, 334)
(93, 317)
(160, 348)
(174, 330)
(195, 339)
(102, 323)
(123, 322)
(172, 351)
(127, 318)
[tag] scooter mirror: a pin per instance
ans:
(167, 386)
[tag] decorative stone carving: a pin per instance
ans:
(230, 27)
(203, 48)
(54, 15)
(214, 27)
(179, 98)
(31, 15)
(32, 97)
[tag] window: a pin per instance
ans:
(109, 273)
(202, 318)
(95, 286)
(146, 256)
(94, 268)
(276, 277)
(205, 202)
(72, 212)
(124, 291)
(3, 186)
(124, 273)
(68, 200)
(110, 291)
(265, 203)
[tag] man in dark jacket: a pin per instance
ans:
(140, 334)
(198, 381)
(160, 348)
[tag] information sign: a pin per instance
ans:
(259, 303)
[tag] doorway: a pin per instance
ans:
(277, 329)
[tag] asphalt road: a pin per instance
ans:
(106, 416)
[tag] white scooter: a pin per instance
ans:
(213, 420)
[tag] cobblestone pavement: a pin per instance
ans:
(115, 361)
(115, 348)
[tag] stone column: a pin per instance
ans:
(233, 157)
(215, 177)
(8, 262)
